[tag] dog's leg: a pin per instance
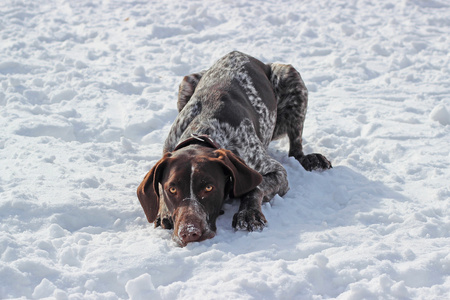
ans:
(187, 88)
(292, 97)
(164, 218)
(250, 217)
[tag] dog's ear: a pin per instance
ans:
(244, 178)
(148, 190)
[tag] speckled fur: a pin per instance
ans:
(270, 101)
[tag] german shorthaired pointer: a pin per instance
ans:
(217, 145)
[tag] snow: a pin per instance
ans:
(440, 114)
(88, 93)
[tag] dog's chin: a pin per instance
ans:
(207, 234)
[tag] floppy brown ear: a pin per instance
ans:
(148, 190)
(245, 178)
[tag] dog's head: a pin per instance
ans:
(193, 182)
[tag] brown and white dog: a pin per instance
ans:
(217, 147)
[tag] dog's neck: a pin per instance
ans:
(203, 140)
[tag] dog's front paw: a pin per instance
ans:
(315, 161)
(249, 219)
(165, 222)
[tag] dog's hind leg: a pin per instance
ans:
(292, 101)
(187, 88)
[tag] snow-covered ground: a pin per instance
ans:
(87, 95)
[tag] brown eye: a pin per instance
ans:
(208, 188)
(173, 190)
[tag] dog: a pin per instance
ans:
(217, 147)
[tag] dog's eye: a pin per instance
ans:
(209, 188)
(173, 190)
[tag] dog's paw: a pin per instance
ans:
(315, 161)
(249, 219)
(165, 222)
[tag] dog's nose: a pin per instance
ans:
(190, 233)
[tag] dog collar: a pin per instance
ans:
(203, 139)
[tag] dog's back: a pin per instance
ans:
(232, 102)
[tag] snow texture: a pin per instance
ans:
(87, 95)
